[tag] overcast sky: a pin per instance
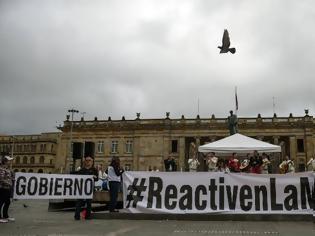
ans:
(115, 58)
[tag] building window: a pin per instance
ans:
(51, 161)
(42, 160)
(100, 147)
(30, 171)
(300, 145)
(43, 148)
(129, 145)
(33, 148)
(7, 148)
(114, 148)
(16, 170)
(32, 160)
(40, 171)
(17, 160)
(24, 160)
(174, 145)
(52, 148)
(23, 170)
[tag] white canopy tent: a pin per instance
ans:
(240, 144)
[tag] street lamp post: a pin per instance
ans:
(12, 149)
(72, 111)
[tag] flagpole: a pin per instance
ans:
(236, 101)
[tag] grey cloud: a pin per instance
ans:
(117, 58)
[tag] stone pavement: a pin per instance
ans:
(36, 220)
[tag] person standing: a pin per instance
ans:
(291, 167)
(88, 169)
(222, 166)
(255, 163)
(212, 162)
(6, 184)
(193, 164)
(233, 163)
(170, 164)
(244, 167)
(114, 179)
(311, 164)
(265, 164)
(284, 166)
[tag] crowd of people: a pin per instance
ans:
(255, 163)
(258, 164)
(111, 178)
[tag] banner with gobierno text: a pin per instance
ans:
(53, 186)
(216, 192)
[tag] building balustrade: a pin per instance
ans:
(28, 165)
(184, 121)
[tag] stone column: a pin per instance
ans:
(309, 148)
(276, 140)
(197, 141)
(181, 161)
(293, 149)
(136, 152)
(165, 149)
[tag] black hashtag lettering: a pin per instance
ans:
(135, 191)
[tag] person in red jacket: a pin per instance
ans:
(234, 164)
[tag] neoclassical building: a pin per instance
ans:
(32, 153)
(143, 144)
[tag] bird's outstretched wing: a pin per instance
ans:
(226, 39)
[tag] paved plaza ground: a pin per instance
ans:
(36, 220)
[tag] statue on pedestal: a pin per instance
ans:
(232, 122)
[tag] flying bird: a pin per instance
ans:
(226, 44)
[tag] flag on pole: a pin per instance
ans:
(236, 101)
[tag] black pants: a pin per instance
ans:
(4, 202)
(79, 204)
(113, 191)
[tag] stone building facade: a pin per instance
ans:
(143, 144)
(32, 153)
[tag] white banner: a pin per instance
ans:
(216, 192)
(53, 186)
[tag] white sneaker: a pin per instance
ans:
(4, 221)
(10, 219)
